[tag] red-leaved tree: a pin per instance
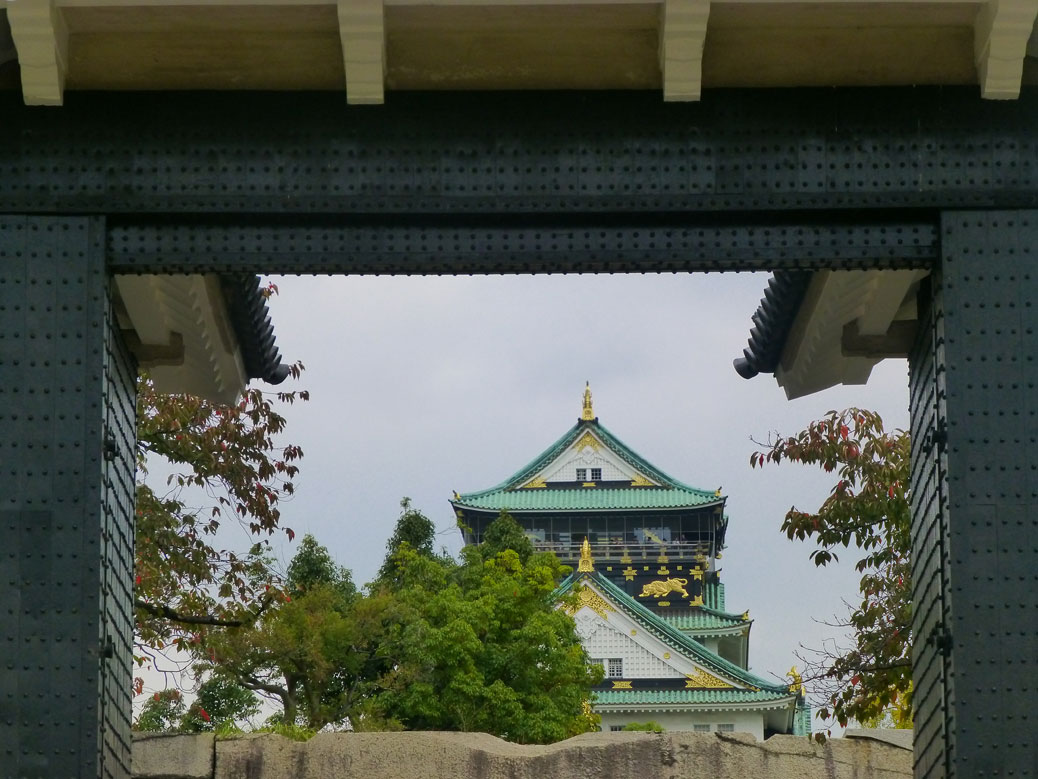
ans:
(227, 468)
(869, 509)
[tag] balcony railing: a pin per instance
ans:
(676, 550)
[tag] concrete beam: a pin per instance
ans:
(363, 35)
(682, 35)
(41, 39)
(1000, 34)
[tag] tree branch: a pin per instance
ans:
(165, 612)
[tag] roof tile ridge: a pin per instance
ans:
(638, 461)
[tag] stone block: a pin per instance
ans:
(593, 755)
(172, 756)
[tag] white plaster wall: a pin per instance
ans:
(639, 663)
(744, 721)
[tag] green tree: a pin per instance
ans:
(161, 712)
(481, 647)
(505, 533)
(868, 508)
(220, 702)
(185, 583)
(414, 531)
(313, 566)
(311, 652)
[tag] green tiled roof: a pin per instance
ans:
(508, 495)
(657, 697)
(655, 624)
(584, 499)
(703, 619)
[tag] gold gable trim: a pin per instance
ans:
(700, 679)
(641, 481)
(535, 484)
(587, 440)
(588, 597)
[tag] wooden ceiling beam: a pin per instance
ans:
(41, 39)
(362, 30)
(1000, 35)
(682, 35)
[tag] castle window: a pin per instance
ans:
(596, 474)
(726, 727)
(581, 474)
(615, 669)
(615, 728)
(700, 728)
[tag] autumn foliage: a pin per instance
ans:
(227, 472)
(868, 509)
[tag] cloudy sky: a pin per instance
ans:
(421, 386)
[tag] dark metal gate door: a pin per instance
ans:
(929, 532)
(975, 488)
(67, 436)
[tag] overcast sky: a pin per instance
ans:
(421, 386)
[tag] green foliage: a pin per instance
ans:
(505, 533)
(868, 507)
(184, 583)
(648, 727)
(221, 705)
(312, 652)
(313, 567)
(435, 646)
(291, 732)
(413, 531)
(162, 712)
(481, 647)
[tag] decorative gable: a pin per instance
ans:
(607, 632)
(588, 460)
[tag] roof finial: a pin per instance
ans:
(586, 564)
(588, 411)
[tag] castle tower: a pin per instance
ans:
(651, 605)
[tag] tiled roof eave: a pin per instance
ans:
(733, 630)
(766, 705)
(462, 504)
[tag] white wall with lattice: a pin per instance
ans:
(638, 662)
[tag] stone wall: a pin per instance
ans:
(479, 756)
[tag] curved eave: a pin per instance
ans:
(205, 335)
(513, 507)
(734, 630)
(815, 330)
(787, 702)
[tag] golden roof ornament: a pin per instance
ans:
(797, 683)
(586, 564)
(588, 412)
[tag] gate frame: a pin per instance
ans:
(746, 180)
